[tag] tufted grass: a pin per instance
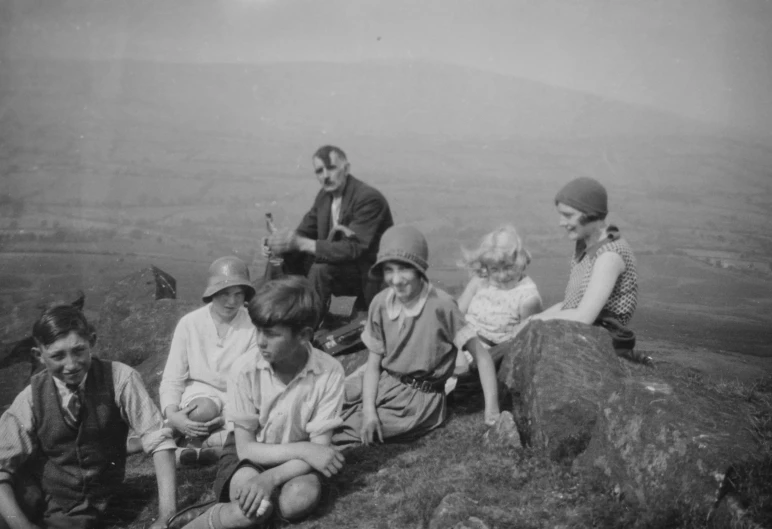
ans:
(399, 486)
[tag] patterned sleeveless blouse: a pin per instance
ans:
(624, 297)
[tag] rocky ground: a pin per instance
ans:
(465, 476)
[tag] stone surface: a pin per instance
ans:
(503, 433)
(659, 441)
(558, 373)
(471, 523)
(145, 332)
(136, 321)
(143, 286)
(452, 509)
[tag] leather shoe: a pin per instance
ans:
(188, 514)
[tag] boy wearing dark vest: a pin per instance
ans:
(63, 440)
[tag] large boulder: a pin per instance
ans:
(144, 333)
(559, 373)
(661, 442)
(140, 288)
(138, 317)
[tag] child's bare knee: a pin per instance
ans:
(300, 495)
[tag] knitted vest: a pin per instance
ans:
(84, 464)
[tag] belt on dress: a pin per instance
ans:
(427, 386)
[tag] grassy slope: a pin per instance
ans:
(399, 486)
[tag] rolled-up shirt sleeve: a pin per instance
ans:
(242, 408)
(139, 411)
(177, 371)
(17, 442)
(327, 414)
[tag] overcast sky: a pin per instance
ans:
(706, 59)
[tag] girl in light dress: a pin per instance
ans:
(499, 297)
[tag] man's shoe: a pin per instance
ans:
(188, 514)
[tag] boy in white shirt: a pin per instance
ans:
(284, 403)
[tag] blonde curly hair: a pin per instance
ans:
(501, 246)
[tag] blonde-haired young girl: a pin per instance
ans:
(499, 297)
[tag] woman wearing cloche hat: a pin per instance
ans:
(205, 344)
(603, 283)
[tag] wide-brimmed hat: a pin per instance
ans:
(585, 194)
(227, 272)
(403, 244)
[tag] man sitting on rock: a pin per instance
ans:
(337, 241)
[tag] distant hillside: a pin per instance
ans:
(379, 98)
(455, 150)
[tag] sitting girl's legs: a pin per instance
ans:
(405, 412)
(202, 450)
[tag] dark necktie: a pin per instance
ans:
(72, 417)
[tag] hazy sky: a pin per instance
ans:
(708, 59)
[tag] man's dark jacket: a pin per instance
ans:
(363, 210)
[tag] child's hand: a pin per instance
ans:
(254, 496)
(325, 459)
(180, 421)
(371, 425)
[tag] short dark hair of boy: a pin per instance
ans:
(59, 321)
(289, 301)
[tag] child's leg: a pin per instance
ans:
(300, 496)
(229, 515)
(297, 499)
(232, 475)
(404, 412)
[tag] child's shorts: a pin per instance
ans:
(228, 465)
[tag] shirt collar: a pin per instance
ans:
(62, 387)
(313, 365)
(611, 234)
(394, 306)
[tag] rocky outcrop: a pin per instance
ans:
(135, 326)
(504, 433)
(558, 374)
(453, 508)
(138, 317)
(659, 442)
